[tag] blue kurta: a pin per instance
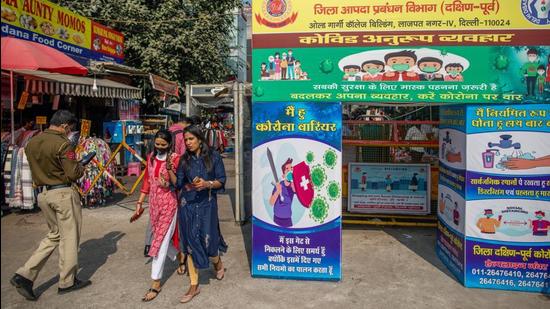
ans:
(198, 216)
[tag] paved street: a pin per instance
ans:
(382, 268)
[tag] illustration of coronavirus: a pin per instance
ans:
(330, 158)
(319, 209)
(333, 190)
(318, 176)
(310, 157)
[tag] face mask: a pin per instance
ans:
(289, 177)
(400, 67)
(532, 59)
(161, 150)
(430, 69)
(489, 216)
(453, 74)
(539, 217)
(373, 71)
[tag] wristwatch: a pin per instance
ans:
(211, 184)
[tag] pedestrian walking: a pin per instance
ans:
(54, 169)
(200, 176)
(159, 184)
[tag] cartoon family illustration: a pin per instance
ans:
(282, 67)
(400, 66)
(488, 225)
(536, 74)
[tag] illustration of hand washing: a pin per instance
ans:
(511, 156)
(448, 150)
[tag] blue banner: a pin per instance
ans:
(297, 190)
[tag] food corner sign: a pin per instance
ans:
(441, 51)
(50, 24)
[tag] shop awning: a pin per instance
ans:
(40, 82)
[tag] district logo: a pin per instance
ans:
(536, 11)
(276, 13)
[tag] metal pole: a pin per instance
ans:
(12, 110)
(242, 212)
(188, 100)
(238, 151)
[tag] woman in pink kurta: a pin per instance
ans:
(159, 183)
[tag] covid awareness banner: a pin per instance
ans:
(437, 51)
(494, 195)
(296, 194)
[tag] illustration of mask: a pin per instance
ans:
(539, 217)
(400, 67)
(430, 69)
(453, 73)
(289, 177)
(373, 71)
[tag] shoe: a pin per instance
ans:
(146, 251)
(23, 286)
(220, 273)
(188, 297)
(77, 285)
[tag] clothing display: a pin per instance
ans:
(104, 187)
(18, 184)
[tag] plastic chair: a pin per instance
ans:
(134, 169)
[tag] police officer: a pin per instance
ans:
(54, 169)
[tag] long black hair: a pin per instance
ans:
(166, 136)
(206, 153)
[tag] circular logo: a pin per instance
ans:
(276, 8)
(277, 11)
(536, 11)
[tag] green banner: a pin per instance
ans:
(445, 74)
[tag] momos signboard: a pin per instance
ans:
(50, 24)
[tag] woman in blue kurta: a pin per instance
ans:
(200, 177)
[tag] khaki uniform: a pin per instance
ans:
(53, 163)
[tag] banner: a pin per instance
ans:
(389, 188)
(297, 190)
(293, 16)
(493, 162)
(47, 23)
(448, 74)
(107, 44)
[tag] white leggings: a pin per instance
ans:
(166, 249)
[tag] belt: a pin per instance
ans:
(53, 187)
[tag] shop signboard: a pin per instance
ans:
(41, 120)
(497, 170)
(296, 193)
(477, 51)
(107, 44)
(389, 188)
(85, 126)
(47, 23)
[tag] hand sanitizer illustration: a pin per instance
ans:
(489, 157)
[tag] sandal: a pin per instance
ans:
(220, 273)
(183, 270)
(189, 296)
(151, 290)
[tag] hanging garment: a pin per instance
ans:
(23, 197)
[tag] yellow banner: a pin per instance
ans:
(48, 19)
(298, 16)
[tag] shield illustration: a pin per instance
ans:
(303, 184)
